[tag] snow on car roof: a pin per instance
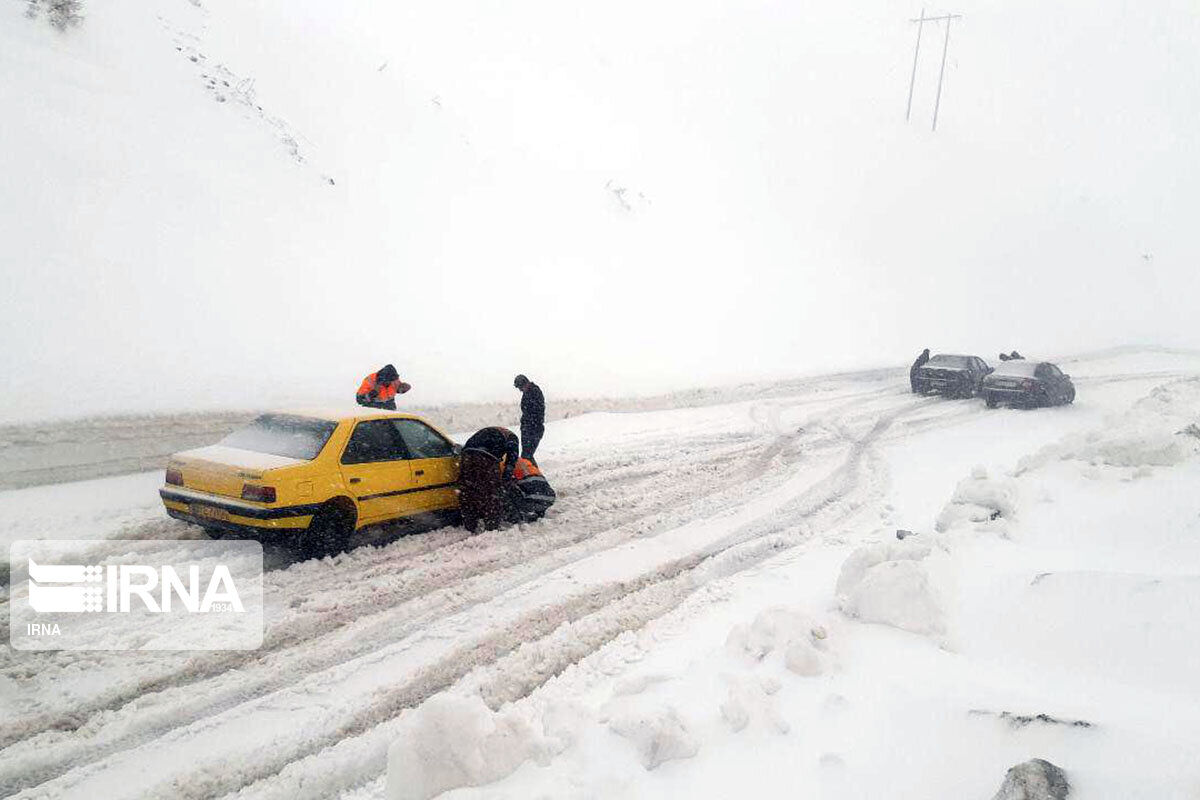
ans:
(343, 413)
(240, 457)
(1020, 367)
(950, 360)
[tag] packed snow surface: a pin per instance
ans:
(717, 606)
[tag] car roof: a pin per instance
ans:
(1018, 366)
(348, 414)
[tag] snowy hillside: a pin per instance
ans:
(718, 606)
(231, 204)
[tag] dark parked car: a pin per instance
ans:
(953, 376)
(1028, 383)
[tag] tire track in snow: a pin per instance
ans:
(86, 752)
(236, 696)
(535, 663)
(932, 420)
(592, 621)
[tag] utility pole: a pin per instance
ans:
(916, 51)
(945, 46)
(947, 18)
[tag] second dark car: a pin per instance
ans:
(1028, 383)
(951, 375)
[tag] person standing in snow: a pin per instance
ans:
(921, 361)
(379, 389)
(533, 416)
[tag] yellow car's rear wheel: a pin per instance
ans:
(329, 532)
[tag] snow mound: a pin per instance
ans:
(452, 741)
(800, 638)
(855, 567)
(1116, 448)
(889, 583)
(1152, 433)
(980, 502)
(659, 735)
(749, 699)
(1036, 779)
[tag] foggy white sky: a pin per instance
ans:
(164, 252)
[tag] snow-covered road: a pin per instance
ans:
(671, 526)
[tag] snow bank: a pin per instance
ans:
(1141, 628)
(979, 502)
(659, 735)
(749, 699)
(889, 583)
(451, 742)
(855, 567)
(1153, 433)
(799, 638)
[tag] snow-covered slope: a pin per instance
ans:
(627, 197)
(147, 215)
(718, 605)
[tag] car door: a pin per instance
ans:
(375, 467)
(433, 460)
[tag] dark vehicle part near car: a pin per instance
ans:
(1028, 383)
(952, 375)
(489, 497)
(531, 494)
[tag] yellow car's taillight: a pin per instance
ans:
(259, 494)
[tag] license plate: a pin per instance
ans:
(208, 512)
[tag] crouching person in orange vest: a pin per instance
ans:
(379, 389)
(496, 486)
(530, 494)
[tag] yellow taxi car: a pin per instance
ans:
(314, 478)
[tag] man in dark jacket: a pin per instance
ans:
(485, 469)
(921, 361)
(533, 416)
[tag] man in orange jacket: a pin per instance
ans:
(379, 389)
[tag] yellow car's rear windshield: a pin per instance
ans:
(283, 435)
